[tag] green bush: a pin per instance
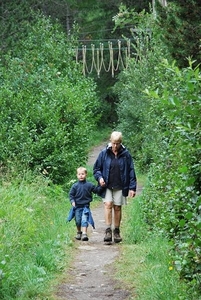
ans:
(172, 199)
(159, 113)
(48, 108)
(133, 107)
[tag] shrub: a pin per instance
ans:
(48, 107)
(172, 199)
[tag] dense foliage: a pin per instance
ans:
(173, 199)
(47, 107)
(95, 20)
(159, 111)
(133, 104)
(48, 110)
(181, 25)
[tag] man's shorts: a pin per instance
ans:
(115, 196)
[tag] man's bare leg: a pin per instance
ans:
(117, 222)
(108, 213)
(108, 221)
(117, 216)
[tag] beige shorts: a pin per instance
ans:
(115, 196)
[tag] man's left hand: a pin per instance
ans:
(131, 194)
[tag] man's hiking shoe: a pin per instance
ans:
(79, 235)
(84, 237)
(108, 235)
(117, 238)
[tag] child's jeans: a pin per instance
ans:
(81, 219)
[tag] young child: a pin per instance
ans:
(80, 197)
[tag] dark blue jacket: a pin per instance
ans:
(101, 169)
(81, 193)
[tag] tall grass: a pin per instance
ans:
(145, 263)
(35, 240)
(34, 236)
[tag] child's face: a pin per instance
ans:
(81, 175)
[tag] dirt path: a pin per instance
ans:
(91, 276)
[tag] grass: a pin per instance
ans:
(35, 240)
(36, 244)
(145, 263)
(34, 237)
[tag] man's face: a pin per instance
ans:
(116, 146)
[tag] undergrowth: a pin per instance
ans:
(145, 263)
(35, 242)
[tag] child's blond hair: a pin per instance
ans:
(82, 169)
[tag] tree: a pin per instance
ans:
(94, 20)
(47, 107)
(181, 25)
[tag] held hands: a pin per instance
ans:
(102, 182)
(131, 194)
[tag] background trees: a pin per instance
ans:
(159, 110)
(180, 22)
(47, 107)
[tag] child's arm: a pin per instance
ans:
(72, 195)
(97, 189)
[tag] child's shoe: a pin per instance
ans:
(84, 237)
(79, 235)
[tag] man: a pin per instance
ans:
(114, 170)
